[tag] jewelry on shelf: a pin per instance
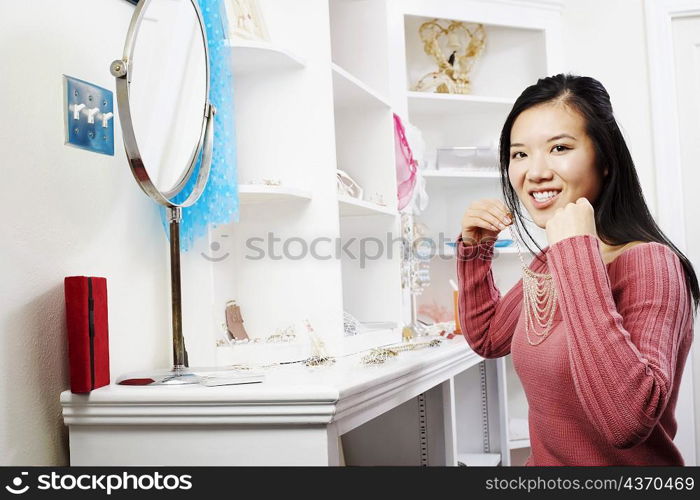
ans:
(234, 322)
(346, 185)
(351, 326)
(319, 354)
(286, 334)
(465, 42)
(378, 199)
(266, 181)
(539, 299)
(380, 355)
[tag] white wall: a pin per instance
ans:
(605, 39)
(67, 212)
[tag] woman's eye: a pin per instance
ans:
(560, 148)
(515, 155)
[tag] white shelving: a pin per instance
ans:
(350, 92)
(454, 174)
(441, 179)
(519, 437)
(516, 444)
(518, 51)
(508, 250)
(448, 251)
(364, 149)
(255, 193)
(451, 104)
(479, 459)
(350, 206)
(252, 57)
(304, 109)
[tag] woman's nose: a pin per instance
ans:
(538, 169)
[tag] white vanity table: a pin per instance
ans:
(295, 417)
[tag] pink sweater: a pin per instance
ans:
(602, 388)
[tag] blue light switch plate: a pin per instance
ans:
(89, 116)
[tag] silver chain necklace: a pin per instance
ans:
(539, 300)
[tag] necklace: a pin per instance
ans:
(539, 300)
(379, 355)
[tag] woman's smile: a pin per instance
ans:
(544, 199)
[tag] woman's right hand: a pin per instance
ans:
(484, 218)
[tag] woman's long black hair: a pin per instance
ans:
(621, 214)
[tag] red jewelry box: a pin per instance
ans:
(88, 339)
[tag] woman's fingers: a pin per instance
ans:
(500, 210)
(492, 221)
(490, 215)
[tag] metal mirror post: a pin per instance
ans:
(162, 84)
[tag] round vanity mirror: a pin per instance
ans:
(162, 89)
(167, 124)
(168, 90)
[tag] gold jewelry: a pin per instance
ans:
(376, 356)
(539, 300)
(379, 355)
(319, 354)
(281, 335)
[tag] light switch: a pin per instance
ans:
(88, 110)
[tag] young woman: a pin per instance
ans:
(601, 323)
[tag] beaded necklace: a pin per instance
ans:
(539, 300)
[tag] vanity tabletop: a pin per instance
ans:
(291, 393)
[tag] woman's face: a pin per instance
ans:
(550, 151)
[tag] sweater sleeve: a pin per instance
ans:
(487, 320)
(623, 355)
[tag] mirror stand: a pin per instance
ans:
(180, 373)
(164, 181)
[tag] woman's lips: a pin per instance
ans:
(544, 204)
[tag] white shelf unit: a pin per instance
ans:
(454, 104)
(521, 46)
(364, 144)
(350, 206)
(449, 252)
(261, 57)
(284, 126)
(304, 75)
(254, 193)
(351, 92)
(513, 422)
(341, 68)
(479, 459)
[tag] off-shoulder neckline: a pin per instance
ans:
(546, 249)
(628, 250)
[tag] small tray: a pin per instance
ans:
(468, 158)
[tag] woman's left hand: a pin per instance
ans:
(572, 220)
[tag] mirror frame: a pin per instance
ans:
(121, 70)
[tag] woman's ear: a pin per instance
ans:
(605, 173)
